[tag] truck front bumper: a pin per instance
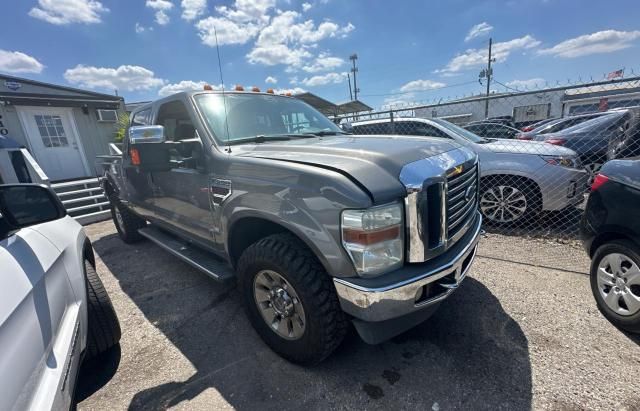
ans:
(412, 289)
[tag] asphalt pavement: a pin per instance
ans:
(514, 336)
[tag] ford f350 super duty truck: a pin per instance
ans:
(318, 227)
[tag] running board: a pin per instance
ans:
(192, 255)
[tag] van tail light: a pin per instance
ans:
(526, 128)
(524, 137)
(556, 141)
(135, 156)
(599, 181)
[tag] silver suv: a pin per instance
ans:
(519, 179)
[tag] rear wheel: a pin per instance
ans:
(104, 329)
(506, 200)
(615, 283)
(126, 222)
(290, 299)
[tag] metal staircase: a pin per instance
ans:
(84, 200)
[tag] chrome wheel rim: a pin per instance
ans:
(592, 169)
(279, 305)
(503, 204)
(618, 280)
(119, 219)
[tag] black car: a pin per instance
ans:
(611, 235)
(604, 137)
(555, 125)
(492, 130)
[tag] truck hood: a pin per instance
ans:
(374, 162)
(527, 147)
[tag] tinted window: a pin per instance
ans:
(416, 128)
(177, 123)
(568, 122)
(141, 118)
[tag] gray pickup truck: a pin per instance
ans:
(318, 227)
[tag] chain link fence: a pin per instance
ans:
(539, 153)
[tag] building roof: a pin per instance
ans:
(332, 109)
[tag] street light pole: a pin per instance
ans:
(489, 75)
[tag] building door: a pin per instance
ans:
(54, 141)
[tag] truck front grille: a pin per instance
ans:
(462, 199)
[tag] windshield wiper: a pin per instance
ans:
(259, 139)
(323, 133)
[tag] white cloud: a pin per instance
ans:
(141, 29)
(229, 32)
(161, 7)
(324, 79)
(191, 9)
(294, 90)
(306, 6)
(421, 85)
(17, 62)
(605, 41)
(184, 85)
(278, 54)
(61, 12)
(127, 77)
(400, 101)
(532, 83)
(478, 30)
(324, 62)
(271, 80)
(478, 57)
(244, 11)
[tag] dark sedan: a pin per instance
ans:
(492, 130)
(611, 235)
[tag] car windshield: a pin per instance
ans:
(235, 118)
(564, 123)
(466, 134)
(593, 122)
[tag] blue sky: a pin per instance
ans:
(408, 50)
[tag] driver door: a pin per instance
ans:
(182, 193)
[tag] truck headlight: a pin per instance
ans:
(374, 238)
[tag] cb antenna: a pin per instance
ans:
(224, 98)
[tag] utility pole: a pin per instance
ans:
(350, 93)
(489, 75)
(354, 70)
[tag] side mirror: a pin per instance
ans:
(23, 205)
(146, 134)
(347, 127)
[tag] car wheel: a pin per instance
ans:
(592, 169)
(615, 283)
(126, 222)
(506, 200)
(290, 299)
(104, 329)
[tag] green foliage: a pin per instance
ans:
(121, 126)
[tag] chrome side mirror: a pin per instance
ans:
(146, 134)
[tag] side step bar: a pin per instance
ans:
(204, 261)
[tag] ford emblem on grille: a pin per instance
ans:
(468, 194)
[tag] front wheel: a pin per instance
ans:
(290, 299)
(104, 328)
(126, 222)
(506, 201)
(615, 284)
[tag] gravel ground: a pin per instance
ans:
(514, 336)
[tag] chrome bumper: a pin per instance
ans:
(373, 304)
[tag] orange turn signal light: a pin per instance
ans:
(270, 91)
(207, 87)
(255, 89)
(370, 237)
(135, 156)
(239, 88)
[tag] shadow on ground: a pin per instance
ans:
(471, 353)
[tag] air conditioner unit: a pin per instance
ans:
(107, 116)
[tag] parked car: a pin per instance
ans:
(54, 310)
(319, 228)
(611, 236)
(519, 179)
(556, 125)
(531, 127)
(493, 130)
(611, 135)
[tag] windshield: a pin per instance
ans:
(253, 115)
(466, 134)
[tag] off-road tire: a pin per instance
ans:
(629, 323)
(130, 223)
(527, 187)
(325, 325)
(104, 329)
